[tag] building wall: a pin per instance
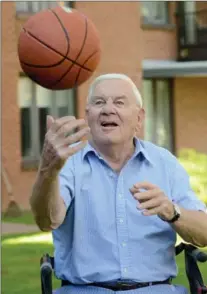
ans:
(124, 47)
(201, 5)
(11, 153)
(120, 54)
(160, 42)
(190, 102)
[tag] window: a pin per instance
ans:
(155, 12)
(36, 6)
(35, 103)
(157, 104)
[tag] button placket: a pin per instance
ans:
(122, 229)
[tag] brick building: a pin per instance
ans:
(161, 45)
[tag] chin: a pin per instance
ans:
(107, 140)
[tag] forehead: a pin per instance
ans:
(114, 88)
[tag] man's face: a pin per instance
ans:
(112, 113)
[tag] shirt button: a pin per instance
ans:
(123, 244)
(125, 270)
(120, 196)
(121, 220)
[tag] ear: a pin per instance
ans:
(86, 112)
(140, 119)
(50, 121)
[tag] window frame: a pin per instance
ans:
(170, 82)
(30, 162)
(156, 23)
(30, 11)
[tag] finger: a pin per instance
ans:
(50, 121)
(152, 203)
(153, 211)
(140, 186)
(144, 196)
(70, 126)
(64, 153)
(76, 148)
(76, 136)
(58, 123)
(134, 190)
(144, 185)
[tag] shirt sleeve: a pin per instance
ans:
(182, 193)
(66, 182)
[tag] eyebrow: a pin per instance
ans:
(121, 97)
(94, 98)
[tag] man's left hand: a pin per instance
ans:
(152, 201)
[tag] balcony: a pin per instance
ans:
(192, 36)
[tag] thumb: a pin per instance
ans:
(50, 121)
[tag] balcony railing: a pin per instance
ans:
(192, 36)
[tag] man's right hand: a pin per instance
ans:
(57, 145)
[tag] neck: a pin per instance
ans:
(115, 154)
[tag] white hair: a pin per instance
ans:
(112, 76)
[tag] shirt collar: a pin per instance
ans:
(139, 149)
(89, 149)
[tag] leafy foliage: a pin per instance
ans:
(195, 164)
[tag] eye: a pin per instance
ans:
(119, 102)
(99, 102)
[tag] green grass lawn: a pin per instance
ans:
(25, 218)
(20, 263)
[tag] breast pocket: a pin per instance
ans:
(98, 208)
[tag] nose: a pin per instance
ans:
(108, 108)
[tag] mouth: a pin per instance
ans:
(109, 125)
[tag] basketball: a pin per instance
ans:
(59, 48)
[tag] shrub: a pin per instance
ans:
(195, 164)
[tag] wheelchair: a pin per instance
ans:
(192, 256)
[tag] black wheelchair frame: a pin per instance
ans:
(192, 256)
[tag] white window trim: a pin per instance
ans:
(34, 120)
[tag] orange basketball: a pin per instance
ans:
(59, 48)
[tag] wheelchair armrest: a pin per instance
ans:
(46, 270)
(192, 256)
(179, 248)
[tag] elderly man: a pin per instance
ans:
(115, 203)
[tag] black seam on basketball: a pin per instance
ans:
(67, 39)
(66, 33)
(76, 80)
(40, 66)
(79, 53)
(36, 65)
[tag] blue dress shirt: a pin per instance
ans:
(104, 237)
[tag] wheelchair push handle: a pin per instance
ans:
(196, 253)
(46, 270)
(46, 264)
(199, 255)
